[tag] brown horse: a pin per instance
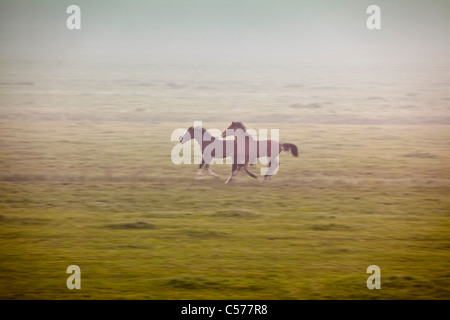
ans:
(249, 149)
(213, 148)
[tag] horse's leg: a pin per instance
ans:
(210, 171)
(234, 171)
(233, 167)
(265, 176)
(248, 172)
(200, 170)
(273, 165)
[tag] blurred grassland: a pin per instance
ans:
(105, 196)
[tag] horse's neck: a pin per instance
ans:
(243, 134)
(204, 139)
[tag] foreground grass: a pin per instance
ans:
(106, 197)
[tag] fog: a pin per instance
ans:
(209, 60)
(242, 31)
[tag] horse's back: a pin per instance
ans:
(268, 148)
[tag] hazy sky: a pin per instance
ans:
(244, 30)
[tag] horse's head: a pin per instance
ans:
(232, 128)
(189, 134)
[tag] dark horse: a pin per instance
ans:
(211, 144)
(250, 149)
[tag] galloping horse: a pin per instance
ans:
(206, 141)
(250, 149)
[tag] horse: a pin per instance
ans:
(250, 150)
(207, 141)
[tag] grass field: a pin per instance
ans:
(105, 196)
(91, 92)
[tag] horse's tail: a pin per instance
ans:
(290, 147)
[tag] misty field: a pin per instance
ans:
(105, 196)
(87, 179)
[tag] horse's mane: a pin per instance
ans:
(191, 128)
(239, 125)
(209, 137)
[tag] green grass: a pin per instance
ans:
(105, 196)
